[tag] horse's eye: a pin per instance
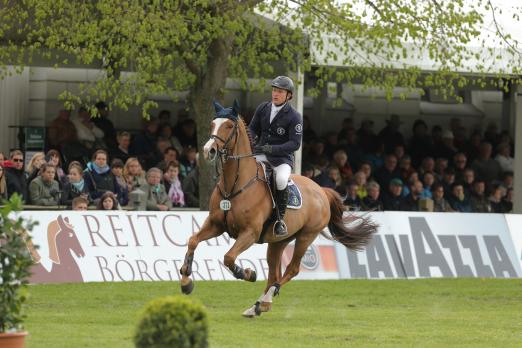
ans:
(229, 126)
(71, 235)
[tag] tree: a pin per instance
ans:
(152, 47)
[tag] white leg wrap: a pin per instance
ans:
(269, 294)
(250, 312)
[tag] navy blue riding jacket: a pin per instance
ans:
(284, 133)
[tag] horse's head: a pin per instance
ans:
(223, 131)
(62, 237)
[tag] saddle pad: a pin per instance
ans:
(295, 200)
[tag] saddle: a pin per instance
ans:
(295, 199)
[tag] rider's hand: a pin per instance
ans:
(266, 149)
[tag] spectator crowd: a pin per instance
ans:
(441, 170)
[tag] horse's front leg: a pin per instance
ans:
(208, 230)
(244, 241)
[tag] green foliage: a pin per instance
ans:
(172, 322)
(15, 264)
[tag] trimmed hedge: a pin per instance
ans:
(172, 321)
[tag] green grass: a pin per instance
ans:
(361, 313)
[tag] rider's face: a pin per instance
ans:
(279, 96)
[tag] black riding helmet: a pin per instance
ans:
(284, 82)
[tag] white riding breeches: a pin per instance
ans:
(282, 172)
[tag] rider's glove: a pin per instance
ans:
(266, 149)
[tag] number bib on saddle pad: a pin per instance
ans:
(295, 200)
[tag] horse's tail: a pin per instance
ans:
(354, 238)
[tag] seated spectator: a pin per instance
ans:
(420, 145)
(134, 174)
(405, 168)
(372, 201)
(458, 200)
(391, 135)
(308, 170)
(478, 200)
(164, 117)
(34, 165)
(414, 176)
(507, 201)
(392, 199)
(399, 151)
(2, 157)
(122, 150)
(316, 153)
(387, 172)
(460, 162)
(308, 132)
(187, 135)
(15, 175)
(448, 180)
(188, 161)
(468, 180)
(352, 200)
(169, 155)
(102, 122)
(360, 180)
(439, 203)
(44, 190)
(190, 188)
(366, 168)
(495, 200)
(486, 167)
(507, 180)
(108, 201)
(89, 135)
(76, 186)
(411, 201)
(503, 157)
(117, 171)
(331, 144)
(351, 146)
(441, 164)
(99, 178)
(427, 181)
(376, 155)
(3, 184)
(61, 131)
(322, 178)
(448, 149)
(157, 198)
(428, 166)
(165, 133)
(335, 177)
(143, 145)
(173, 185)
(340, 160)
(54, 158)
(80, 204)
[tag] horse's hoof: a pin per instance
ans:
(250, 275)
(250, 312)
(265, 306)
(187, 286)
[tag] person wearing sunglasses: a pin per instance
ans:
(15, 175)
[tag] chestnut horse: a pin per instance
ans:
(241, 203)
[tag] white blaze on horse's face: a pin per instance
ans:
(211, 143)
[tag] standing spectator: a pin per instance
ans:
(165, 132)
(122, 150)
(188, 161)
(503, 157)
(34, 165)
(491, 134)
(448, 149)
(390, 135)
(411, 201)
(392, 200)
(61, 131)
(99, 178)
(117, 171)
(439, 203)
(367, 137)
(173, 185)
(376, 156)
(351, 147)
(458, 200)
(372, 201)
(473, 147)
(191, 188)
(495, 200)
(108, 201)
(399, 151)
(144, 144)
(157, 198)
(134, 174)
(15, 175)
(44, 190)
(331, 145)
(3, 184)
(80, 204)
(388, 172)
(102, 122)
(420, 144)
(164, 117)
(308, 132)
(460, 163)
(352, 200)
(478, 200)
(485, 166)
(54, 158)
(340, 160)
(316, 153)
(188, 136)
(89, 135)
(169, 155)
(76, 186)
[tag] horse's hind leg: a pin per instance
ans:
(208, 230)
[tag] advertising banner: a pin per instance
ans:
(111, 246)
(423, 245)
(515, 228)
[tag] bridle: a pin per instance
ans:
(224, 156)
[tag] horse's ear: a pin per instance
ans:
(235, 108)
(217, 106)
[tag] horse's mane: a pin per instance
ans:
(52, 231)
(250, 137)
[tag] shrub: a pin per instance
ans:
(172, 321)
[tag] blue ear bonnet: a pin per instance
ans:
(230, 113)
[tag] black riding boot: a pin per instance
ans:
(281, 201)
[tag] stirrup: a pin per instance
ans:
(285, 230)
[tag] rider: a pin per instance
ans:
(278, 127)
